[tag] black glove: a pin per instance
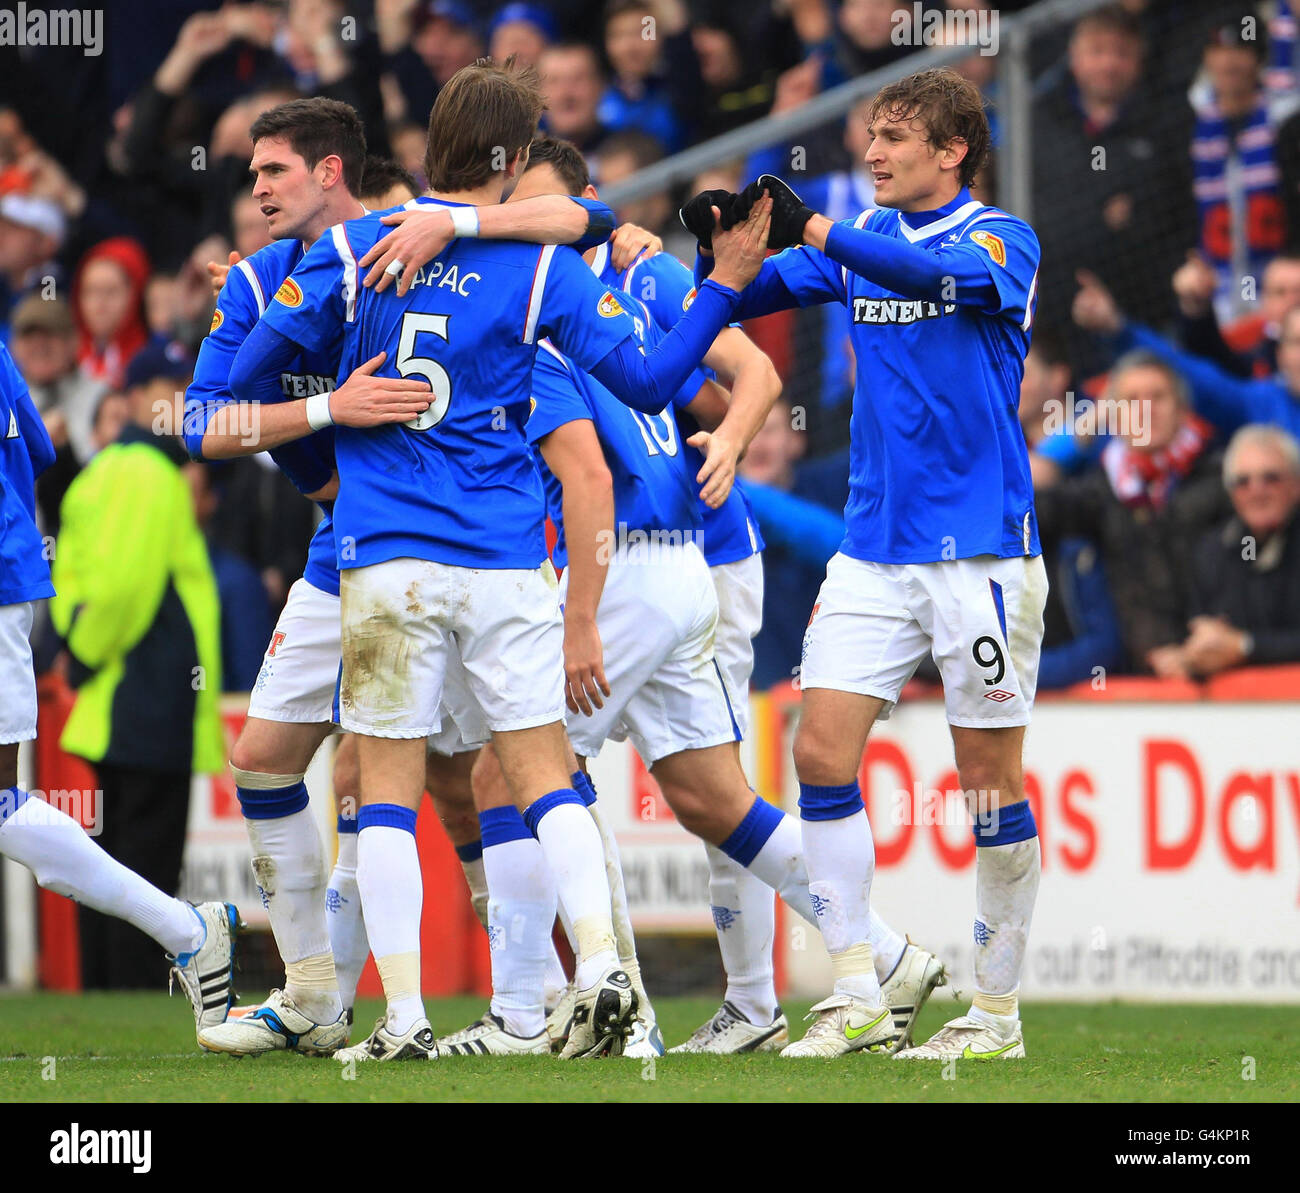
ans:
(697, 215)
(789, 212)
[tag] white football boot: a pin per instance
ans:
(276, 1026)
(602, 1017)
(416, 1044)
(645, 1040)
(560, 1020)
(842, 1025)
(968, 1038)
(729, 1033)
(207, 974)
(916, 976)
(489, 1037)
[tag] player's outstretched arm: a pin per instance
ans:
(423, 232)
(573, 453)
(363, 400)
(649, 382)
(755, 387)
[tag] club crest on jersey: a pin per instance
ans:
(609, 306)
(288, 293)
(991, 244)
(690, 298)
(217, 319)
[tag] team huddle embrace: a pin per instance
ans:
(502, 355)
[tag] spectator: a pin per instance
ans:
(1246, 573)
(572, 86)
(45, 349)
(1111, 185)
(410, 142)
(1157, 490)
(739, 83)
(108, 306)
(643, 93)
(248, 230)
(137, 606)
(865, 39)
(1236, 175)
(31, 231)
(247, 621)
(1228, 402)
(624, 154)
(524, 30)
(1252, 351)
(423, 45)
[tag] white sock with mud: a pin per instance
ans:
(392, 898)
(347, 926)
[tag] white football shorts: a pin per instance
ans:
(982, 618)
(299, 678)
(406, 624)
(17, 679)
(657, 618)
(740, 616)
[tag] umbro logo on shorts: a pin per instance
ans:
(999, 695)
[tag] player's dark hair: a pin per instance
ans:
(1112, 18)
(564, 158)
(950, 107)
(483, 116)
(317, 128)
(380, 174)
(643, 148)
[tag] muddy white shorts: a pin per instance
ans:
(981, 617)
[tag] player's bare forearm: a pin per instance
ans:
(246, 428)
(589, 535)
(543, 219)
(755, 385)
(815, 231)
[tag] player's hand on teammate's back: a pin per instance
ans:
(718, 473)
(365, 400)
(739, 254)
(418, 237)
(1095, 308)
(584, 665)
(629, 242)
(218, 273)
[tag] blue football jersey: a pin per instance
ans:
(665, 287)
(938, 463)
(653, 488)
(456, 485)
(249, 288)
(25, 452)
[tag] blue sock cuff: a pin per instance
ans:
(1011, 824)
(552, 799)
(11, 799)
(471, 852)
(348, 824)
(751, 834)
(499, 825)
(585, 788)
(274, 804)
(829, 803)
(387, 816)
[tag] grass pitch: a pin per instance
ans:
(140, 1048)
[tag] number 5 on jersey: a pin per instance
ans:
(408, 364)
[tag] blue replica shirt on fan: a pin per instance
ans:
(938, 464)
(308, 462)
(653, 488)
(665, 287)
(457, 485)
(25, 452)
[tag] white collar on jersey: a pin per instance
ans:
(951, 220)
(601, 259)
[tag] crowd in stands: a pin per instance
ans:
(1166, 196)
